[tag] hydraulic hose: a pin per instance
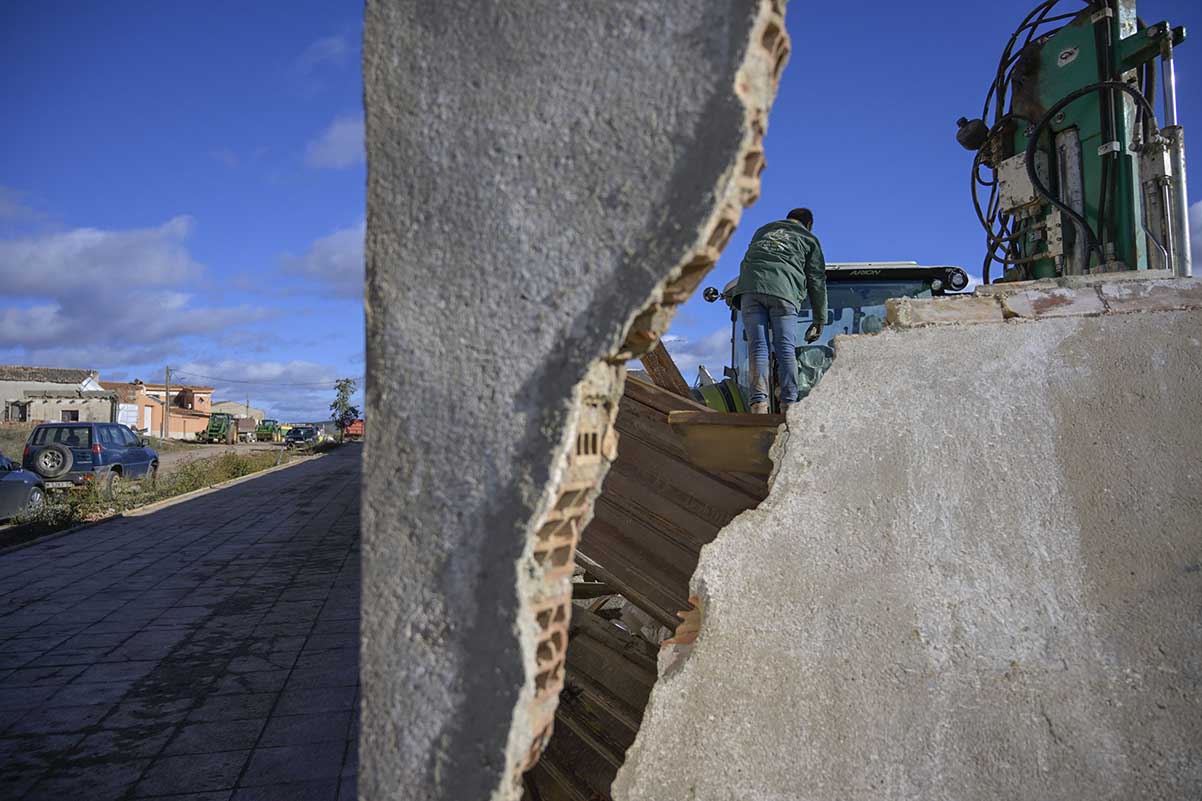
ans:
(1033, 144)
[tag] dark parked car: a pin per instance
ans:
(20, 490)
(301, 437)
(70, 455)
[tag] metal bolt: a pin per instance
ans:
(1059, 118)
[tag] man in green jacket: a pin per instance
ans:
(783, 265)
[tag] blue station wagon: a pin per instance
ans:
(68, 455)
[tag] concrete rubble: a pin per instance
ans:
(978, 572)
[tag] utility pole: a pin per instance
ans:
(166, 403)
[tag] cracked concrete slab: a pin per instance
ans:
(546, 183)
(975, 577)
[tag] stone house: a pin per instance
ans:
(54, 394)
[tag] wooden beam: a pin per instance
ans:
(728, 442)
(664, 373)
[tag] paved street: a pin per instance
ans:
(204, 652)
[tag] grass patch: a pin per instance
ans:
(65, 510)
(12, 439)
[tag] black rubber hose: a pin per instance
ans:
(1005, 61)
(1033, 143)
(1002, 77)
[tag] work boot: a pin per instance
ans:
(759, 408)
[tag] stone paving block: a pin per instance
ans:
(329, 660)
(192, 773)
(301, 729)
(234, 707)
(225, 735)
(126, 743)
(293, 791)
(25, 697)
(12, 660)
(59, 719)
(39, 643)
(77, 693)
(308, 678)
(61, 657)
(320, 699)
(155, 710)
(260, 681)
(116, 671)
(90, 638)
(267, 662)
(329, 642)
(96, 781)
(294, 763)
(42, 676)
(25, 759)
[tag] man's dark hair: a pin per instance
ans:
(803, 216)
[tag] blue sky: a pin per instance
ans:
(183, 184)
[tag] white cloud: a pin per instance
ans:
(712, 350)
(340, 145)
(95, 298)
(1195, 235)
(335, 261)
(326, 50)
(44, 266)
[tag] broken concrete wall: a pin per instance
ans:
(546, 182)
(978, 574)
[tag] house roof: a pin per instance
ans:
(69, 393)
(49, 375)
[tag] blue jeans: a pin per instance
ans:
(760, 313)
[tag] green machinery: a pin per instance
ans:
(268, 431)
(222, 428)
(856, 295)
(1083, 174)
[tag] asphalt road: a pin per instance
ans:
(204, 652)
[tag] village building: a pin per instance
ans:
(141, 406)
(54, 395)
(241, 410)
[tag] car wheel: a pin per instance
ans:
(112, 485)
(36, 501)
(53, 461)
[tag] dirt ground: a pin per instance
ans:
(184, 453)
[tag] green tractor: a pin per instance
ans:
(268, 431)
(856, 295)
(223, 428)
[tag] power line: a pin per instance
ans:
(321, 385)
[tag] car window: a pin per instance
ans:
(71, 436)
(109, 437)
(130, 438)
